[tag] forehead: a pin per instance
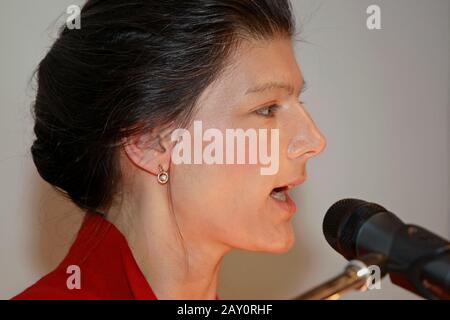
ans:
(265, 61)
(252, 64)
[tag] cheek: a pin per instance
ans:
(219, 197)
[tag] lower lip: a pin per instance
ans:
(287, 206)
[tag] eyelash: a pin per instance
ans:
(272, 109)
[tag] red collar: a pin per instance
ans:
(106, 267)
(106, 261)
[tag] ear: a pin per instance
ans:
(149, 152)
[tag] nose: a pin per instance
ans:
(308, 141)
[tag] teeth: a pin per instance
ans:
(279, 195)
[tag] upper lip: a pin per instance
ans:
(293, 183)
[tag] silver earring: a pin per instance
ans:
(163, 176)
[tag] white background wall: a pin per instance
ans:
(380, 97)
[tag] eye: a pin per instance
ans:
(269, 111)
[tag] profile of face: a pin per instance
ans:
(233, 205)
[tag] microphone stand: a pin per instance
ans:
(354, 277)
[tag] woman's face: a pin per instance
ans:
(232, 204)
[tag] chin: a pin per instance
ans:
(281, 245)
(279, 242)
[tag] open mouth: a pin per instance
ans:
(281, 196)
(279, 193)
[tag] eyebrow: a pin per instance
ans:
(274, 85)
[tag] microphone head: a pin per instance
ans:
(342, 222)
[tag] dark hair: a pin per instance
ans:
(134, 65)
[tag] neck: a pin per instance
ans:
(176, 265)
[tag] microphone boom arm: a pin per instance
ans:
(354, 277)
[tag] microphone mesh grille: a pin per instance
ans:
(342, 222)
(334, 217)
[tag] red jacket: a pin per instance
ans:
(107, 269)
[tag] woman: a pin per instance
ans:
(110, 97)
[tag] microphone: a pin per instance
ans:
(416, 259)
